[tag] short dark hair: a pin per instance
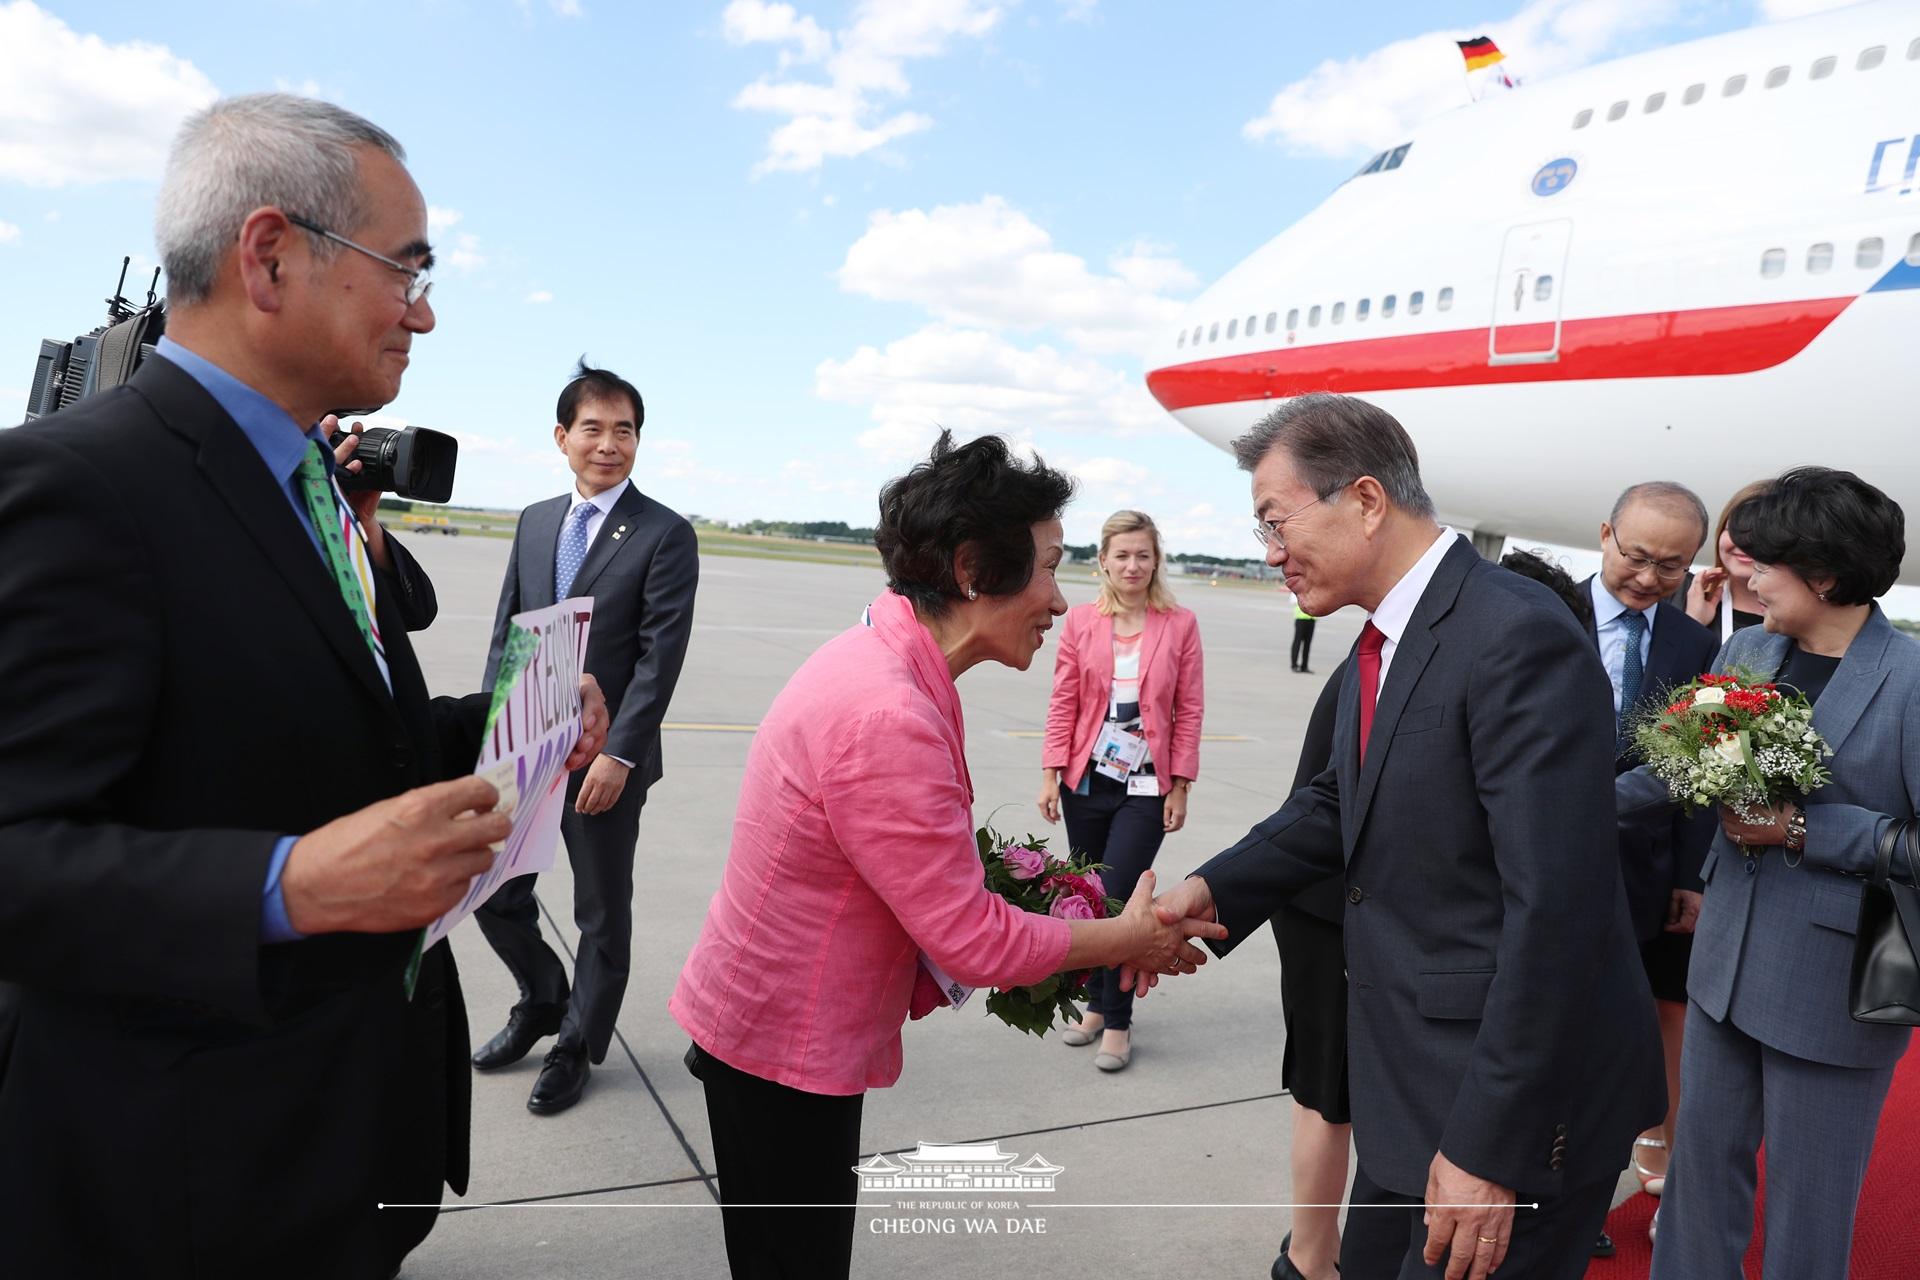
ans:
(1824, 523)
(589, 383)
(1535, 565)
(1662, 493)
(1333, 441)
(975, 494)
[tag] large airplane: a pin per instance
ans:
(1700, 263)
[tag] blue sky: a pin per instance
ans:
(808, 232)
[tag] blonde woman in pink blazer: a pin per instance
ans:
(853, 853)
(1123, 739)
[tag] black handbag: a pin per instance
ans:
(1885, 985)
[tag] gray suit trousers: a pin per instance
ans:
(600, 850)
(1818, 1122)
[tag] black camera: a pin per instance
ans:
(411, 463)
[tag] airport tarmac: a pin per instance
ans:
(1180, 1161)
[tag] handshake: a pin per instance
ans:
(1165, 927)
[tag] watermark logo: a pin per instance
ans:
(957, 1172)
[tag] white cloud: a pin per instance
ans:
(865, 63)
(975, 382)
(465, 254)
(9, 232)
(1078, 10)
(540, 295)
(754, 22)
(988, 265)
(439, 219)
(1352, 105)
(308, 88)
(1780, 10)
(74, 108)
(565, 8)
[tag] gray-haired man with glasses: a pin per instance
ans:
(1648, 646)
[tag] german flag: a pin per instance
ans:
(1480, 52)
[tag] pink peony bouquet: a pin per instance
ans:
(1032, 879)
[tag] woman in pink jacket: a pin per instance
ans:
(1123, 739)
(853, 853)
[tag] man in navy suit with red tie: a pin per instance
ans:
(1501, 1047)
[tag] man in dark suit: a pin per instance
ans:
(640, 562)
(1502, 1048)
(220, 826)
(1648, 646)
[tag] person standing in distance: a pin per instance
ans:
(640, 562)
(1128, 677)
(221, 833)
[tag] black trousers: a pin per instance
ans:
(1553, 1242)
(1302, 642)
(600, 850)
(1108, 825)
(778, 1146)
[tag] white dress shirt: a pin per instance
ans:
(602, 505)
(1397, 606)
(1612, 634)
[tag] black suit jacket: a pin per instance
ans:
(642, 571)
(187, 685)
(1657, 859)
(1497, 1009)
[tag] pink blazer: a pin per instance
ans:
(1172, 693)
(852, 853)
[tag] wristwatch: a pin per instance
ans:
(1796, 830)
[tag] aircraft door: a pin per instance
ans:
(1526, 304)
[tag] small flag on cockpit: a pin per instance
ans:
(1480, 52)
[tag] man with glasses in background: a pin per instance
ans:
(1648, 646)
(227, 804)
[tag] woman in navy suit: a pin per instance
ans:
(1771, 1051)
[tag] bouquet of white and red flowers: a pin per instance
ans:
(1734, 740)
(1032, 879)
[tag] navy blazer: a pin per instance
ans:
(1657, 858)
(1774, 946)
(1497, 1009)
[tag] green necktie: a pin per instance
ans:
(343, 547)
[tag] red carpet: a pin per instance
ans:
(1886, 1237)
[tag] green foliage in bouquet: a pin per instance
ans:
(1032, 879)
(1733, 740)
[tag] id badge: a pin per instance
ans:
(1117, 753)
(1143, 784)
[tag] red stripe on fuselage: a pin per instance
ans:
(1661, 344)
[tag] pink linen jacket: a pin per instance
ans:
(1172, 693)
(852, 852)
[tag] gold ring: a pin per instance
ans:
(1489, 1239)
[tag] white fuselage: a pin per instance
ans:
(1709, 291)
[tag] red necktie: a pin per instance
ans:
(1371, 641)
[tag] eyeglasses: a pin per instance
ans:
(1640, 564)
(419, 282)
(1268, 531)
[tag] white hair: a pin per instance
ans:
(241, 154)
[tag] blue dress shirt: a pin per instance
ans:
(281, 444)
(1612, 634)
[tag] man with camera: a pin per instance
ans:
(227, 804)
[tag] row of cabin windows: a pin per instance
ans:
(1866, 255)
(1868, 59)
(1336, 314)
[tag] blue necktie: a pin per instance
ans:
(1632, 670)
(573, 550)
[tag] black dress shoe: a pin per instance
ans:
(562, 1080)
(1283, 1268)
(1603, 1247)
(525, 1025)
